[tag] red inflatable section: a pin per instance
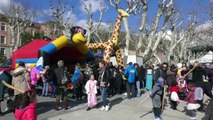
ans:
(30, 51)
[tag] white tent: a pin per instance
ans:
(205, 59)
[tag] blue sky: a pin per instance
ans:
(80, 17)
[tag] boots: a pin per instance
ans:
(57, 106)
(65, 105)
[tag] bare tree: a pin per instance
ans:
(19, 17)
(93, 28)
(153, 40)
(62, 21)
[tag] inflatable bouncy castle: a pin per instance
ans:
(70, 50)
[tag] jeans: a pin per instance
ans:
(138, 88)
(45, 89)
(130, 87)
(104, 95)
(53, 88)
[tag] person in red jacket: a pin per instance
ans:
(26, 109)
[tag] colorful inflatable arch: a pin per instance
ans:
(65, 49)
(71, 51)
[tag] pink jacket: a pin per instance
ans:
(28, 113)
(190, 98)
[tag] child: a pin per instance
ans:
(91, 90)
(173, 89)
(156, 95)
(26, 109)
(190, 99)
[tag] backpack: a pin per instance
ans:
(198, 94)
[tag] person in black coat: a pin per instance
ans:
(209, 111)
(103, 79)
(198, 75)
(156, 73)
(118, 81)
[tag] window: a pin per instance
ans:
(2, 39)
(3, 27)
(2, 51)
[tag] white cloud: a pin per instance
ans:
(4, 4)
(95, 4)
(204, 27)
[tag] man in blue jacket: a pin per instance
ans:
(131, 74)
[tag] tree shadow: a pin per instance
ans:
(43, 107)
(116, 101)
(145, 114)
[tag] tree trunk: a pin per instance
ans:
(126, 25)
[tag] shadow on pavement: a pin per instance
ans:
(145, 114)
(43, 107)
(116, 101)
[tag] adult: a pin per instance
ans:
(138, 79)
(61, 90)
(131, 74)
(198, 75)
(21, 80)
(103, 79)
(164, 69)
(209, 111)
(156, 72)
(118, 80)
(4, 75)
(143, 70)
(112, 70)
(77, 81)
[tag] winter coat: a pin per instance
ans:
(156, 74)
(77, 76)
(190, 98)
(131, 73)
(87, 72)
(59, 73)
(47, 76)
(156, 95)
(28, 113)
(104, 76)
(209, 111)
(21, 79)
(173, 89)
(197, 75)
(140, 75)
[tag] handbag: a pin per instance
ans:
(64, 79)
(174, 96)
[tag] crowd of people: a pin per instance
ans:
(181, 82)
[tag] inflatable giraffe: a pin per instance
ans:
(112, 43)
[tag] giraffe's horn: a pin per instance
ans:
(123, 13)
(12, 87)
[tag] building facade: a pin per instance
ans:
(5, 37)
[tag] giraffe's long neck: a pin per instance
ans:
(116, 31)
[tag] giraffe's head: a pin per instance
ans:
(78, 35)
(123, 13)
